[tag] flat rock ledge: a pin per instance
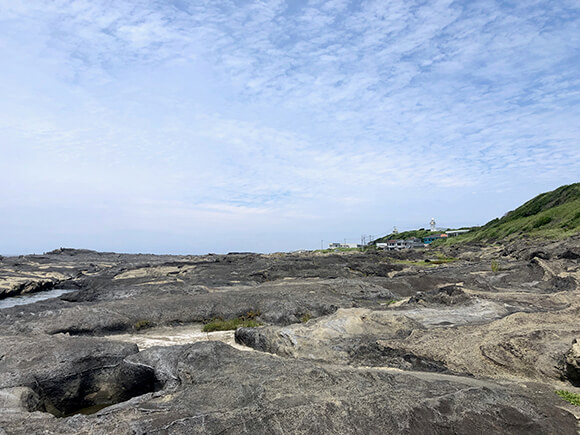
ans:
(353, 343)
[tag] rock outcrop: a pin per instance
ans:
(572, 364)
(62, 375)
(350, 343)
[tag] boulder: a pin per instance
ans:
(62, 375)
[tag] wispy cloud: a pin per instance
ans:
(287, 108)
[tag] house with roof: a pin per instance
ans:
(430, 239)
(395, 244)
(413, 243)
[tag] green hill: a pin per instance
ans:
(404, 235)
(554, 214)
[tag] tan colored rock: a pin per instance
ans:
(18, 399)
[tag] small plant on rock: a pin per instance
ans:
(248, 320)
(142, 324)
(572, 398)
(494, 266)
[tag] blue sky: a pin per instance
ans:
(182, 126)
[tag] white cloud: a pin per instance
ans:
(259, 110)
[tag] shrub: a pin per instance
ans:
(219, 324)
(542, 221)
(142, 324)
(306, 317)
(494, 266)
(573, 398)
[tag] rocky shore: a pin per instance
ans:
(470, 339)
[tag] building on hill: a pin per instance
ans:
(344, 245)
(413, 243)
(453, 233)
(398, 244)
(430, 239)
(395, 245)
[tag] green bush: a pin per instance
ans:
(306, 317)
(542, 221)
(494, 266)
(142, 324)
(245, 321)
(573, 398)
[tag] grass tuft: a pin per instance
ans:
(142, 324)
(246, 321)
(229, 325)
(572, 398)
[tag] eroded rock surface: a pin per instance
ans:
(351, 343)
(61, 375)
(572, 363)
(218, 389)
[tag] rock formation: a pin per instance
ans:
(351, 343)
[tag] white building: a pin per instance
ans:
(344, 245)
(453, 233)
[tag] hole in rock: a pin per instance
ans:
(90, 391)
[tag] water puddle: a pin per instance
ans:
(31, 298)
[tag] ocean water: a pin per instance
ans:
(31, 298)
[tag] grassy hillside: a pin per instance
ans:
(404, 235)
(554, 214)
(420, 233)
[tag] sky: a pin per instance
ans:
(196, 126)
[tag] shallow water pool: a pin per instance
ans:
(31, 298)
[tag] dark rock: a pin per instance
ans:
(447, 295)
(74, 374)
(571, 364)
(221, 390)
(374, 354)
(252, 337)
(559, 284)
(570, 254)
(334, 324)
(539, 254)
